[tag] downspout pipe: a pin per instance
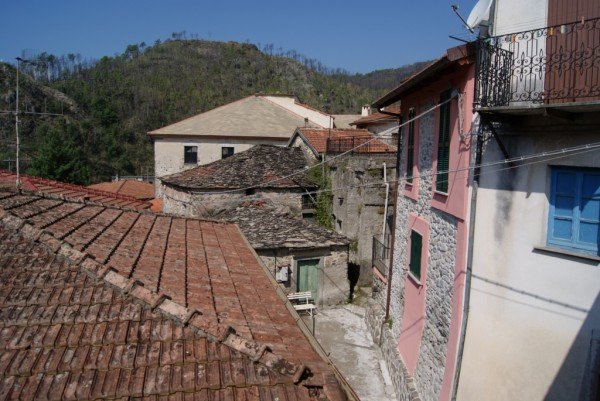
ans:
(393, 227)
(474, 188)
(387, 195)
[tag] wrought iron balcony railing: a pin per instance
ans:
(381, 255)
(557, 64)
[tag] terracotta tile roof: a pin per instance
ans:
(253, 167)
(136, 189)
(75, 323)
(375, 118)
(70, 191)
(267, 228)
(317, 139)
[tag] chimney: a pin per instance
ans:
(366, 111)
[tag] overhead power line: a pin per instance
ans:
(546, 156)
(297, 172)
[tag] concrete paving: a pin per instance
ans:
(343, 334)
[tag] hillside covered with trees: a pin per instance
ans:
(111, 104)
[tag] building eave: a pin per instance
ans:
(456, 55)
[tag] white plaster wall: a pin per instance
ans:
(531, 313)
(168, 153)
(518, 15)
(513, 16)
(376, 129)
(289, 103)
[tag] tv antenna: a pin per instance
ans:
(17, 121)
(455, 10)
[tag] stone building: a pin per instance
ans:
(265, 172)
(417, 312)
(359, 191)
(302, 256)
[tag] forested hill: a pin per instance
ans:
(383, 80)
(119, 99)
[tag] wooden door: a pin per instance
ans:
(572, 51)
(308, 270)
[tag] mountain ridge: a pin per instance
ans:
(117, 100)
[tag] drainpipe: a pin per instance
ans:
(465, 318)
(385, 210)
(393, 228)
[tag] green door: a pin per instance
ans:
(307, 276)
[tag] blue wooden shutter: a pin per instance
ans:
(589, 210)
(574, 220)
(564, 203)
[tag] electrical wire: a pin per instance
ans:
(378, 137)
(563, 152)
(557, 154)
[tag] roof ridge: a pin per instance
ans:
(203, 112)
(264, 98)
(158, 302)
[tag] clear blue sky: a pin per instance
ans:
(359, 36)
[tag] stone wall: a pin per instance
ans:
(333, 283)
(202, 205)
(429, 372)
(404, 384)
(358, 211)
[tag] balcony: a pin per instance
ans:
(547, 67)
(381, 255)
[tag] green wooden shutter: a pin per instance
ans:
(443, 153)
(416, 247)
(410, 151)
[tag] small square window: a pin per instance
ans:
(574, 218)
(226, 151)
(416, 247)
(190, 154)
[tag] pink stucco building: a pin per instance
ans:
(419, 308)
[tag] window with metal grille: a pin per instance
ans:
(410, 149)
(416, 247)
(574, 218)
(443, 153)
(226, 151)
(190, 154)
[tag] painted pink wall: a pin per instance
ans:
(456, 203)
(413, 319)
